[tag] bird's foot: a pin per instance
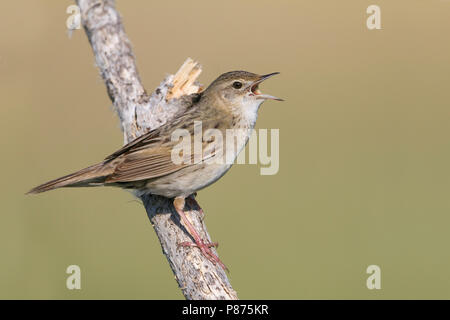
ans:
(205, 249)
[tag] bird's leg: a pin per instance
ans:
(193, 203)
(205, 248)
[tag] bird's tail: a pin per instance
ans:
(91, 176)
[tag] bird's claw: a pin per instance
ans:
(205, 248)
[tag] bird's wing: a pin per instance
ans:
(154, 136)
(151, 137)
(145, 164)
(150, 156)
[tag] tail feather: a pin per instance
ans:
(90, 176)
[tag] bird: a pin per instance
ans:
(150, 164)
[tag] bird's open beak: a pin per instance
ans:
(258, 94)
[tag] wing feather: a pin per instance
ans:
(149, 156)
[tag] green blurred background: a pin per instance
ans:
(364, 150)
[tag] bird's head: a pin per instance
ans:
(240, 90)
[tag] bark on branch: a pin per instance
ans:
(139, 112)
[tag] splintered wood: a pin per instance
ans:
(184, 81)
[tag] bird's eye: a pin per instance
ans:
(237, 85)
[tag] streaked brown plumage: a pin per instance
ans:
(146, 164)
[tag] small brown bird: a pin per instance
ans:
(149, 164)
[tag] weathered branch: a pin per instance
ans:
(197, 277)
